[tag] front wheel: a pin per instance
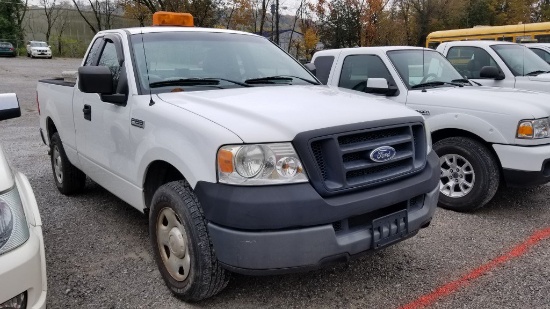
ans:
(469, 173)
(67, 177)
(181, 244)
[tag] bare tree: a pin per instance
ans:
(102, 12)
(20, 11)
(60, 28)
(51, 12)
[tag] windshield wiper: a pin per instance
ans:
(537, 72)
(465, 80)
(195, 81)
(435, 83)
(272, 79)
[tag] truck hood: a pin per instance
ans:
(278, 113)
(541, 77)
(520, 103)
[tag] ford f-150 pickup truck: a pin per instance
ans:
(480, 133)
(243, 161)
(498, 64)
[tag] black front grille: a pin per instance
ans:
(344, 160)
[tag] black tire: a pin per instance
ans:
(205, 277)
(28, 55)
(68, 179)
(485, 168)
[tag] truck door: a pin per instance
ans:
(469, 60)
(102, 128)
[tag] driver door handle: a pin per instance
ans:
(87, 110)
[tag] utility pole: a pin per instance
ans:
(277, 22)
(272, 14)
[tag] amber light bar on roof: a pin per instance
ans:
(172, 19)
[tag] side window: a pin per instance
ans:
(322, 67)
(469, 60)
(94, 51)
(358, 68)
(545, 38)
(542, 53)
(109, 59)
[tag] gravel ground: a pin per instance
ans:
(98, 253)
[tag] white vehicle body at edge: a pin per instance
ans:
(22, 268)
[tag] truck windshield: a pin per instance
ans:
(425, 68)
(39, 44)
(521, 60)
(189, 61)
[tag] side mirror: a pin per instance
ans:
(95, 79)
(491, 72)
(311, 67)
(379, 86)
(9, 106)
(98, 79)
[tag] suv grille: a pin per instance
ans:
(344, 162)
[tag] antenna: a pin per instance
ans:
(151, 102)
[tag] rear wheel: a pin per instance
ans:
(67, 177)
(181, 244)
(469, 173)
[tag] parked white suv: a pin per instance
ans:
(22, 258)
(39, 49)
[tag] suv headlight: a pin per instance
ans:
(261, 164)
(14, 230)
(531, 129)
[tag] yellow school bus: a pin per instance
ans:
(521, 33)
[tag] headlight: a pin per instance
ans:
(262, 164)
(428, 137)
(531, 129)
(13, 225)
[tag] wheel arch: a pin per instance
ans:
(158, 173)
(454, 132)
(50, 128)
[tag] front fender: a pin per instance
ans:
(185, 140)
(470, 123)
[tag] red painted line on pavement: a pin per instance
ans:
(453, 286)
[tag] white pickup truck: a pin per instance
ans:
(498, 64)
(242, 159)
(480, 133)
(541, 49)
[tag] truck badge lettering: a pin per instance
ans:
(423, 112)
(382, 154)
(137, 123)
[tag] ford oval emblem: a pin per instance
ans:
(382, 154)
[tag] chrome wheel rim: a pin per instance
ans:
(57, 165)
(457, 176)
(173, 244)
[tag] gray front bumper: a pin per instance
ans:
(266, 252)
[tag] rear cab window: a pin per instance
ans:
(323, 64)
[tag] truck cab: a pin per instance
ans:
(498, 64)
